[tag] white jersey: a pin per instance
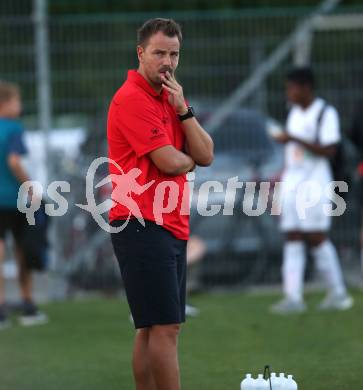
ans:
(301, 164)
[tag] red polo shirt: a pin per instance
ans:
(139, 121)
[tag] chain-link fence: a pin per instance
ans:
(89, 56)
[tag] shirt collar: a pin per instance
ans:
(135, 77)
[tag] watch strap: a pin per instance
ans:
(187, 115)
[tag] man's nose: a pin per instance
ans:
(167, 60)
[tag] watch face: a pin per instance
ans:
(189, 114)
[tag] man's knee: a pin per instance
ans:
(170, 331)
(142, 332)
(142, 336)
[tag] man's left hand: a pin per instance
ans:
(282, 138)
(176, 96)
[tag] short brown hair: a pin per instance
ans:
(8, 91)
(152, 26)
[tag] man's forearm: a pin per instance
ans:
(20, 174)
(185, 164)
(199, 142)
(324, 151)
(17, 169)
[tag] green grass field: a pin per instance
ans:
(87, 346)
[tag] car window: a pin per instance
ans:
(243, 131)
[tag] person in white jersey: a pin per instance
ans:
(311, 137)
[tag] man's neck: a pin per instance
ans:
(307, 102)
(158, 88)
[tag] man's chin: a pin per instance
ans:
(157, 81)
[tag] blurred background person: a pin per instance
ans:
(311, 136)
(356, 135)
(12, 175)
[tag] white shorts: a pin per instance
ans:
(295, 217)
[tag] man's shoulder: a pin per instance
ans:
(324, 104)
(327, 111)
(129, 94)
(10, 126)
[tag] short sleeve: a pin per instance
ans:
(329, 128)
(289, 120)
(15, 144)
(141, 126)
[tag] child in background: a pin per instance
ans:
(12, 175)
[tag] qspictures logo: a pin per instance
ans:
(167, 195)
(124, 185)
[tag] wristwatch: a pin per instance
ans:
(187, 115)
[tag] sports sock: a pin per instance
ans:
(293, 269)
(327, 262)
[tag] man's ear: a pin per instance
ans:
(140, 52)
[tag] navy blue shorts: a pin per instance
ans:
(153, 269)
(12, 220)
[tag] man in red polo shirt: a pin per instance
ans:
(154, 140)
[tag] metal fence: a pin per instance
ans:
(89, 56)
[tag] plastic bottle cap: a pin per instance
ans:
(282, 374)
(273, 374)
(289, 377)
(260, 376)
(248, 375)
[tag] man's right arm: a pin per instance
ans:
(16, 168)
(171, 161)
(15, 150)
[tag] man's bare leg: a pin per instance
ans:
(163, 345)
(141, 361)
(25, 276)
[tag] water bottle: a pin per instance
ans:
(282, 381)
(260, 383)
(248, 383)
(290, 383)
(275, 381)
